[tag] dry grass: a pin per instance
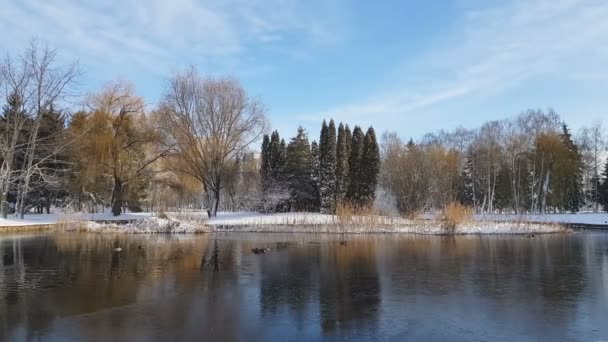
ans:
(454, 214)
(348, 214)
(67, 222)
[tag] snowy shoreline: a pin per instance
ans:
(192, 223)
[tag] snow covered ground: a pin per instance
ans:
(254, 218)
(580, 218)
(321, 223)
(49, 219)
(193, 222)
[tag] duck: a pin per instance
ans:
(260, 250)
(117, 249)
(343, 243)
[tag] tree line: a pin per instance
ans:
(189, 150)
(196, 148)
(528, 164)
(341, 169)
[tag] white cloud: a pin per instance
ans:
(160, 34)
(492, 49)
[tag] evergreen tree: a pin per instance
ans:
(567, 188)
(299, 172)
(274, 184)
(327, 161)
(370, 168)
(354, 163)
(342, 169)
(470, 193)
(316, 177)
(265, 164)
(15, 126)
(603, 193)
(49, 184)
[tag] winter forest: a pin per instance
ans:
(207, 145)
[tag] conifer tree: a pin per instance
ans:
(299, 172)
(354, 163)
(370, 168)
(14, 126)
(316, 165)
(603, 193)
(265, 163)
(49, 183)
(327, 161)
(567, 187)
(275, 194)
(342, 156)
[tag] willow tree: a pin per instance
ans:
(210, 121)
(118, 141)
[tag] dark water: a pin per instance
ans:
(385, 287)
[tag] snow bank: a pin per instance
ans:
(280, 222)
(322, 223)
(150, 225)
(579, 218)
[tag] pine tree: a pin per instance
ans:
(50, 183)
(274, 184)
(315, 174)
(568, 169)
(370, 168)
(327, 159)
(265, 164)
(603, 193)
(354, 162)
(299, 172)
(14, 130)
(342, 156)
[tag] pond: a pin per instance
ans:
(60, 286)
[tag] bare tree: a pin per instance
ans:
(592, 143)
(210, 121)
(39, 83)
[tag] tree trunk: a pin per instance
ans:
(48, 205)
(117, 193)
(4, 205)
(217, 202)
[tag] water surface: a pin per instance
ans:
(307, 287)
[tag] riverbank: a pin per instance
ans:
(197, 222)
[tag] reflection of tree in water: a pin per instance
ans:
(543, 272)
(349, 289)
(540, 273)
(70, 274)
(289, 280)
(415, 265)
(211, 259)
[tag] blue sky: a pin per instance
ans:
(408, 66)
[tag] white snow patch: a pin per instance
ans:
(151, 225)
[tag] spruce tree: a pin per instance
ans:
(315, 174)
(568, 170)
(299, 172)
(354, 164)
(603, 193)
(469, 194)
(342, 170)
(327, 159)
(275, 193)
(265, 167)
(370, 168)
(49, 184)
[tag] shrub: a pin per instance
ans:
(454, 214)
